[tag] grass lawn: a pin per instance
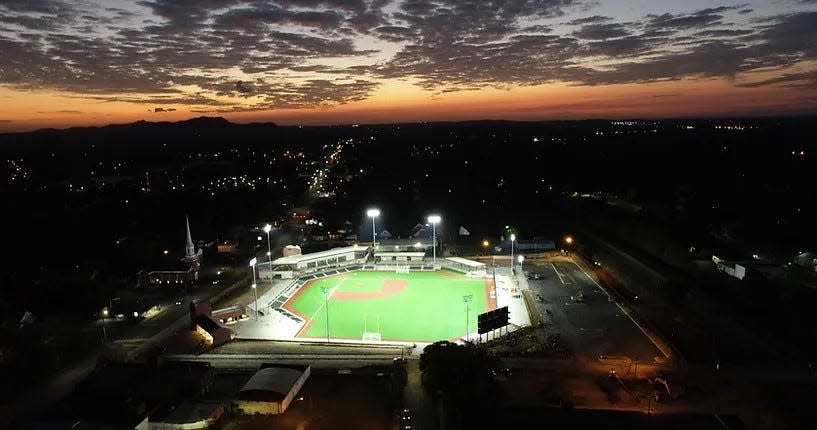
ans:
(416, 306)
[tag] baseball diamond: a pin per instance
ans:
(415, 306)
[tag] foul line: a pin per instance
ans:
(325, 301)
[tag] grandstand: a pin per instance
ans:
(296, 265)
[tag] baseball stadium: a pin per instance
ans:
(390, 292)
(386, 305)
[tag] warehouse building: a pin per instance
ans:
(271, 390)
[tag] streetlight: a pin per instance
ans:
(433, 220)
(254, 287)
(267, 229)
(104, 325)
(105, 313)
(520, 259)
(373, 213)
(513, 238)
(467, 299)
(568, 240)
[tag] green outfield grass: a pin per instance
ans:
(417, 306)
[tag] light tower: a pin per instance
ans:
(513, 238)
(267, 229)
(254, 286)
(434, 220)
(373, 213)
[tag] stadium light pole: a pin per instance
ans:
(467, 299)
(254, 286)
(267, 229)
(373, 213)
(513, 238)
(433, 220)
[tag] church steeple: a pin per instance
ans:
(189, 249)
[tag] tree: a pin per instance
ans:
(463, 374)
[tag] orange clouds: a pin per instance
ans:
(398, 101)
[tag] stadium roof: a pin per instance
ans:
(295, 259)
(465, 262)
(423, 241)
(399, 253)
(272, 383)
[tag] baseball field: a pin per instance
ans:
(416, 306)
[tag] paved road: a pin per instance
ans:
(594, 326)
(415, 398)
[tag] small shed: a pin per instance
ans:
(213, 332)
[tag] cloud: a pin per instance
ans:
(595, 19)
(64, 111)
(162, 110)
(242, 88)
(602, 31)
(805, 80)
(226, 55)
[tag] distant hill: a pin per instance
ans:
(195, 131)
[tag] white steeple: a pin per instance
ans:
(189, 249)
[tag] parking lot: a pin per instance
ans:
(580, 310)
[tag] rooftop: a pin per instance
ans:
(271, 383)
(295, 259)
(186, 412)
(465, 262)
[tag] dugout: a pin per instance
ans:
(398, 257)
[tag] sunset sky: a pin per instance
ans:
(95, 62)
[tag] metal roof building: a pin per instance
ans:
(271, 389)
